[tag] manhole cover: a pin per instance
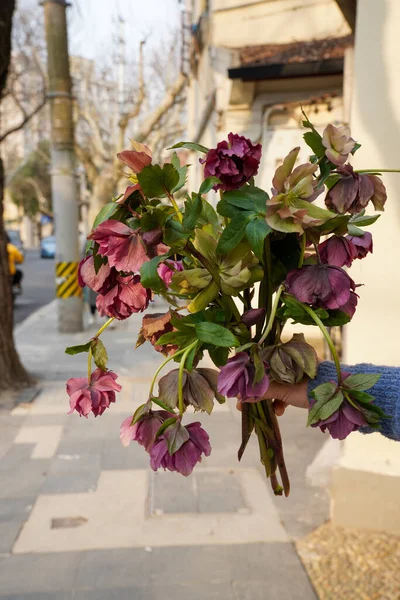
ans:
(68, 522)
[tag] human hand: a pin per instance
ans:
(285, 395)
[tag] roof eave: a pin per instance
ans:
(332, 66)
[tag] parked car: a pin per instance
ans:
(15, 239)
(48, 247)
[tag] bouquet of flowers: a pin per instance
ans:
(233, 271)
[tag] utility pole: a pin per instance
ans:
(63, 176)
(121, 71)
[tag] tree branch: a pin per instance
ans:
(28, 117)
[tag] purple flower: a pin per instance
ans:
(94, 396)
(337, 251)
(145, 430)
(167, 268)
(350, 306)
(363, 244)
(126, 297)
(342, 422)
(188, 454)
(353, 191)
(99, 282)
(253, 316)
(236, 379)
(321, 286)
(122, 245)
(338, 143)
(233, 162)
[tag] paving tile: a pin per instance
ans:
(219, 492)
(73, 482)
(100, 569)
(76, 446)
(38, 573)
(171, 493)
(198, 591)
(13, 513)
(40, 596)
(115, 457)
(16, 455)
(282, 588)
(24, 482)
(131, 593)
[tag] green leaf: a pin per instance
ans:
(336, 318)
(141, 412)
(363, 221)
(327, 403)
(193, 207)
(219, 356)
(175, 234)
(248, 198)
(336, 225)
(176, 436)
(232, 235)
(106, 213)
(228, 210)
(100, 355)
(78, 349)
(256, 232)
(208, 184)
(203, 298)
(214, 334)
(259, 368)
(361, 397)
(155, 181)
(164, 426)
(357, 146)
(149, 278)
(181, 170)
(314, 141)
(190, 146)
(353, 230)
(361, 381)
(190, 357)
(208, 216)
(247, 428)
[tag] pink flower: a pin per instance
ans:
(128, 193)
(188, 454)
(96, 396)
(126, 297)
(236, 379)
(136, 159)
(99, 282)
(233, 162)
(167, 268)
(337, 251)
(338, 143)
(122, 245)
(362, 243)
(145, 430)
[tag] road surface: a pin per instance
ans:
(37, 285)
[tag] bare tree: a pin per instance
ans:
(12, 373)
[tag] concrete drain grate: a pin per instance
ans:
(68, 522)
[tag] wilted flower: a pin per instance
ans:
(94, 396)
(136, 159)
(290, 209)
(126, 297)
(167, 268)
(362, 243)
(193, 444)
(122, 245)
(350, 307)
(99, 282)
(321, 286)
(337, 251)
(153, 237)
(236, 379)
(342, 422)
(253, 316)
(353, 191)
(199, 389)
(338, 143)
(153, 327)
(145, 430)
(233, 162)
(291, 361)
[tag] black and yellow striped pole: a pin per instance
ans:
(63, 174)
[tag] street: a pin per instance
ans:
(37, 285)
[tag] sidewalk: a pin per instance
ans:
(82, 517)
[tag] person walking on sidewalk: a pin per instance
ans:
(14, 257)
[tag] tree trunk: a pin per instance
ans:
(12, 373)
(102, 192)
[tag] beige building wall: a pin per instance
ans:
(367, 480)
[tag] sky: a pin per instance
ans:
(93, 23)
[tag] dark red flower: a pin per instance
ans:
(353, 191)
(363, 244)
(337, 251)
(99, 282)
(122, 245)
(234, 162)
(322, 286)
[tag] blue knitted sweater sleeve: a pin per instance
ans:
(386, 392)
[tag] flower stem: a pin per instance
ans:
(272, 315)
(160, 368)
(377, 171)
(103, 327)
(89, 367)
(176, 207)
(326, 335)
(180, 377)
(162, 405)
(303, 249)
